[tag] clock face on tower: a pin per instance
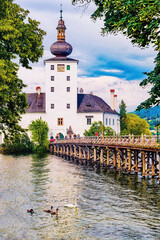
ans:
(60, 67)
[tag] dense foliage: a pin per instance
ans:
(100, 129)
(136, 125)
(21, 38)
(139, 20)
(123, 117)
(39, 130)
(18, 144)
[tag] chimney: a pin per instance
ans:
(38, 89)
(112, 98)
(115, 102)
(81, 90)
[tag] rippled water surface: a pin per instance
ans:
(110, 206)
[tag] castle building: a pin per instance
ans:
(65, 110)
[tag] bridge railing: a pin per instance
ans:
(129, 140)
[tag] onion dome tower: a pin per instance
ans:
(61, 48)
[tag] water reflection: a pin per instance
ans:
(39, 177)
(111, 205)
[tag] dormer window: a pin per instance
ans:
(88, 105)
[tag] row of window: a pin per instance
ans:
(60, 67)
(60, 121)
(108, 121)
(67, 78)
(68, 106)
(89, 119)
(67, 89)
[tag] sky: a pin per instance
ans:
(105, 62)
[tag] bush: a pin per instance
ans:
(19, 144)
(100, 128)
(39, 136)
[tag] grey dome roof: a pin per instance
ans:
(61, 48)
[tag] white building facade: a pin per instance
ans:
(61, 106)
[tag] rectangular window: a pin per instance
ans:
(68, 105)
(68, 67)
(113, 121)
(60, 67)
(52, 78)
(52, 106)
(89, 121)
(52, 67)
(106, 121)
(109, 121)
(60, 121)
(68, 89)
(52, 89)
(68, 78)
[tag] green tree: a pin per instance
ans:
(18, 144)
(99, 127)
(39, 130)
(139, 20)
(21, 39)
(136, 125)
(123, 117)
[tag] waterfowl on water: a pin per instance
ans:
(48, 210)
(72, 205)
(56, 212)
(30, 210)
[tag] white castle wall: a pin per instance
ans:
(60, 97)
(112, 120)
(81, 123)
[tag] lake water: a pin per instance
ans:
(110, 206)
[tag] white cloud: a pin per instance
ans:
(129, 91)
(112, 70)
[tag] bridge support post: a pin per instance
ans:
(129, 159)
(67, 153)
(119, 158)
(126, 159)
(75, 152)
(114, 158)
(136, 160)
(80, 153)
(143, 164)
(95, 155)
(153, 168)
(107, 157)
(61, 151)
(88, 154)
(71, 152)
(54, 150)
(101, 157)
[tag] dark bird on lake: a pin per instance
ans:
(56, 212)
(30, 210)
(48, 210)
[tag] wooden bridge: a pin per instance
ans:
(126, 153)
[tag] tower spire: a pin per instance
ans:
(61, 11)
(61, 47)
